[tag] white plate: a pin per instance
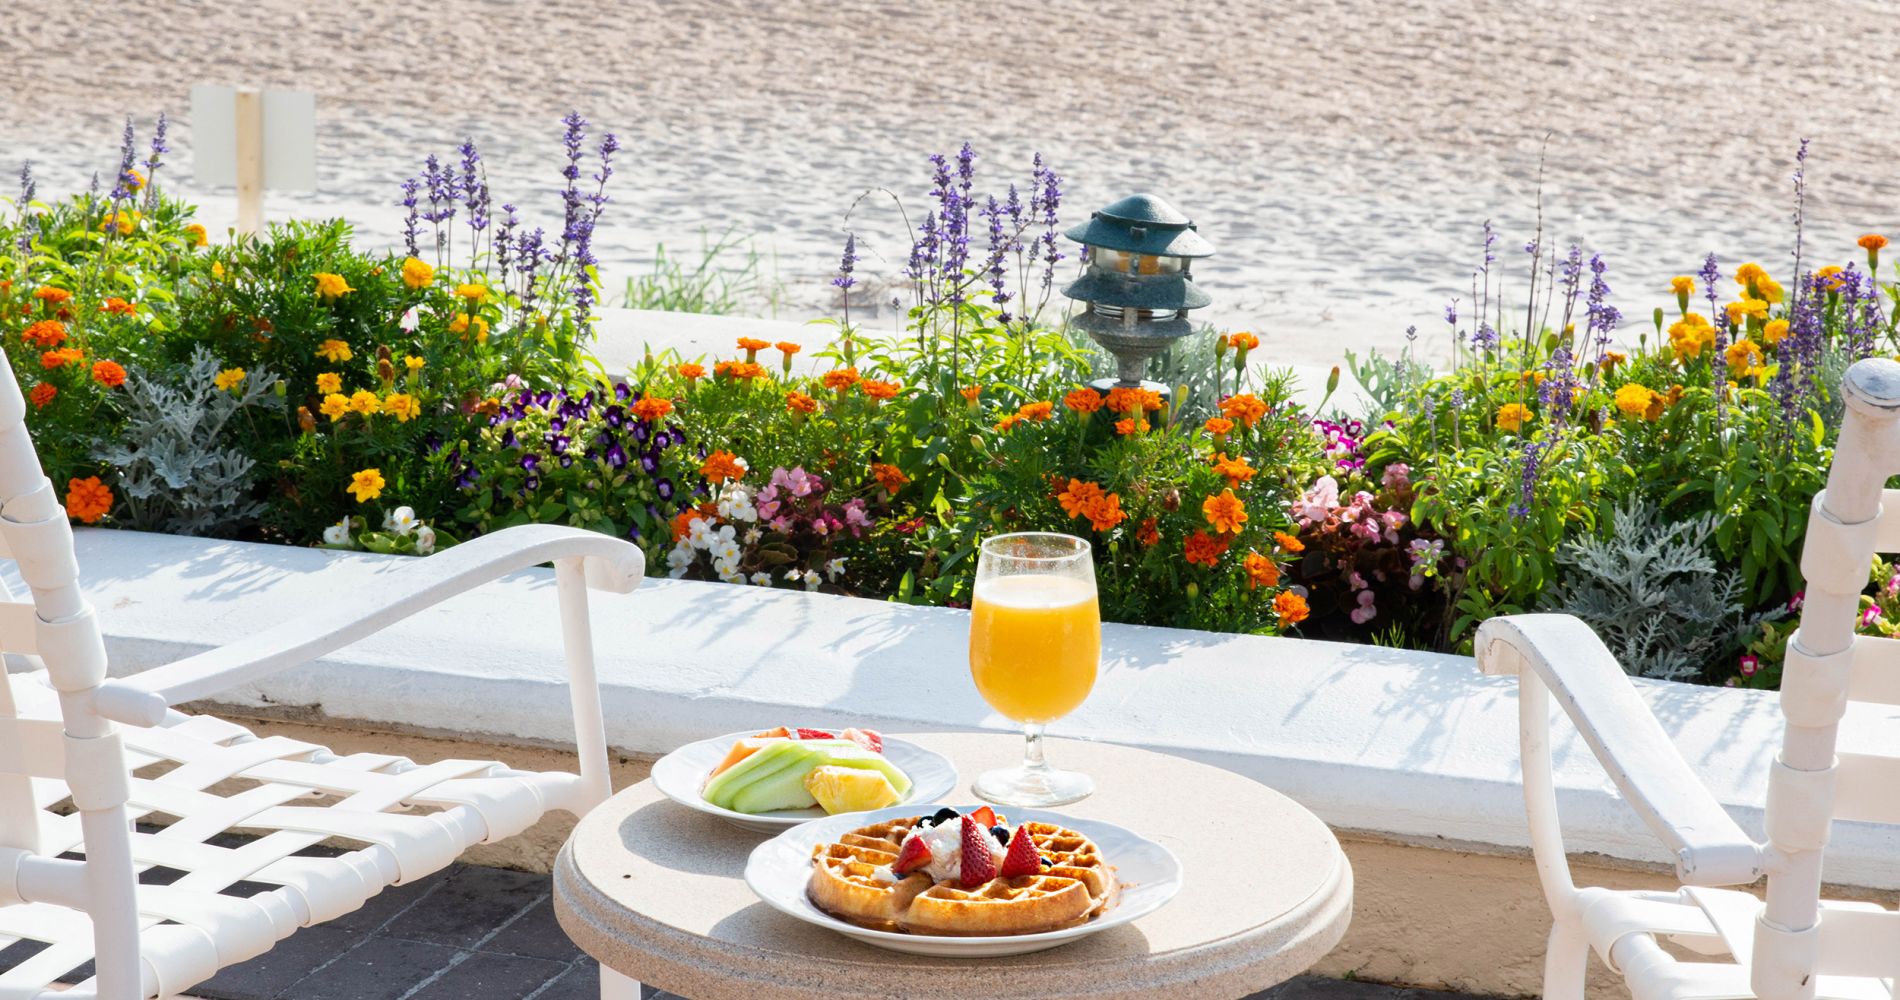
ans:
(780, 868)
(681, 774)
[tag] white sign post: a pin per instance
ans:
(254, 141)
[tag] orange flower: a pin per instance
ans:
(1243, 341)
(1036, 412)
(691, 372)
(1261, 571)
(1148, 534)
(721, 466)
(45, 333)
(1008, 422)
(723, 369)
(1130, 426)
(752, 346)
(683, 521)
(746, 370)
(1291, 608)
(1078, 497)
(1083, 400)
(88, 499)
(108, 374)
(1872, 243)
(1204, 549)
(1124, 400)
(54, 296)
(652, 408)
(840, 379)
(890, 477)
(970, 392)
(42, 394)
(1236, 470)
(1105, 513)
(798, 402)
(1218, 426)
(787, 348)
(119, 307)
(880, 390)
(1289, 542)
(1244, 407)
(1225, 512)
(61, 357)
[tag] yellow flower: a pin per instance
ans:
(332, 286)
(217, 270)
(475, 293)
(334, 350)
(1746, 308)
(1682, 284)
(1511, 416)
(417, 273)
(328, 382)
(402, 406)
(1742, 355)
(1774, 331)
(197, 234)
(228, 379)
(1768, 289)
(365, 402)
(1690, 336)
(460, 325)
(367, 485)
(412, 362)
(335, 405)
(1830, 277)
(1749, 273)
(1635, 399)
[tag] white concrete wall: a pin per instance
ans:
(1395, 742)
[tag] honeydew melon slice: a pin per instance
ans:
(775, 757)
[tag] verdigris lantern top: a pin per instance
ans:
(1137, 285)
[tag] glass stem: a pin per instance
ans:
(1032, 747)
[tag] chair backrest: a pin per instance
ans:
(1827, 666)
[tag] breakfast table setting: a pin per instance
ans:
(789, 862)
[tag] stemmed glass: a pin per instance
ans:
(1035, 639)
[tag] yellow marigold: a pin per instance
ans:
(1291, 607)
(1774, 331)
(840, 379)
(1036, 412)
(461, 323)
(335, 405)
(417, 273)
(88, 499)
(653, 409)
(331, 286)
(1635, 399)
(1830, 277)
(1244, 407)
(1078, 496)
(45, 333)
(197, 235)
(1235, 469)
(402, 406)
(1690, 336)
(1261, 571)
(134, 180)
(890, 477)
(1769, 289)
(1872, 242)
(1682, 284)
(798, 402)
(334, 350)
(721, 466)
(108, 373)
(690, 371)
(1746, 309)
(1243, 341)
(1742, 355)
(970, 392)
(1289, 542)
(1204, 549)
(365, 402)
(413, 363)
(1083, 400)
(366, 485)
(1511, 416)
(880, 390)
(474, 293)
(328, 382)
(1218, 426)
(229, 379)
(1225, 512)
(1611, 359)
(1749, 273)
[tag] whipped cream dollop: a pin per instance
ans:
(945, 843)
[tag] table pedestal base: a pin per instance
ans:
(614, 986)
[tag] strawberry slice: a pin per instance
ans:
(978, 866)
(1022, 858)
(816, 734)
(913, 855)
(869, 739)
(984, 817)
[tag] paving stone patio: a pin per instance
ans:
(473, 933)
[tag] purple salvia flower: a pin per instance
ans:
(504, 240)
(410, 227)
(1602, 317)
(993, 264)
(1527, 480)
(158, 151)
(844, 280)
(474, 187)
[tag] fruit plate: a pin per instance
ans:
(780, 868)
(681, 774)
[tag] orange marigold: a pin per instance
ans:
(54, 296)
(683, 521)
(1078, 497)
(840, 379)
(1225, 512)
(1289, 542)
(798, 402)
(970, 392)
(752, 345)
(1291, 608)
(1129, 426)
(1204, 549)
(108, 374)
(88, 499)
(1104, 514)
(890, 477)
(746, 369)
(653, 408)
(690, 371)
(1037, 412)
(1149, 533)
(1243, 341)
(1218, 426)
(42, 394)
(1008, 422)
(1123, 400)
(1261, 571)
(119, 307)
(1872, 242)
(1235, 469)
(721, 466)
(1244, 407)
(61, 357)
(1083, 400)
(45, 333)
(880, 390)
(787, 348)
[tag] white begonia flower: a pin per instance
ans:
(680, 559)
(425, 540)
(699, 533)
(835, 568)
(410, 320)
(752, 536)
(811, 579)
(338, 533)
(762, 578)
(402, 520)
(725, 550)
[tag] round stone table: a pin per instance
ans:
(655, 892)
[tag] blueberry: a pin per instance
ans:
(1001, 834)
(942, 816)
(1046, 863)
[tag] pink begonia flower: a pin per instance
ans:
(1355, 581)
(800, 483)
(1317, 503)
(1869, 616)
(1368, 530)
(781, 524)
(1800, 597)
(513, 381)
(1365, 612)
(855, 518)
(1397, 475)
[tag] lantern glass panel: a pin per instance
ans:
(1125, 263)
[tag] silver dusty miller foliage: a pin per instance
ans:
(176, 470)
(1654, 593)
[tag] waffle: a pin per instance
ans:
(1079, 885)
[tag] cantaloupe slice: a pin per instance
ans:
(741, 749)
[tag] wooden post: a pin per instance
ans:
(250, 162)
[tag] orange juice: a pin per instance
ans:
(1034, 643)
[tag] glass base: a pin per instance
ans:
(1032, 787)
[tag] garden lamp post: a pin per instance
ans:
(1136, 289)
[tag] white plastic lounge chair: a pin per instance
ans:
(1794, 946)
(118, 753)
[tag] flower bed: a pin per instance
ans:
(299, 389)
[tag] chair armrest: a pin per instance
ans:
(410, 586)
(1572, 662)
